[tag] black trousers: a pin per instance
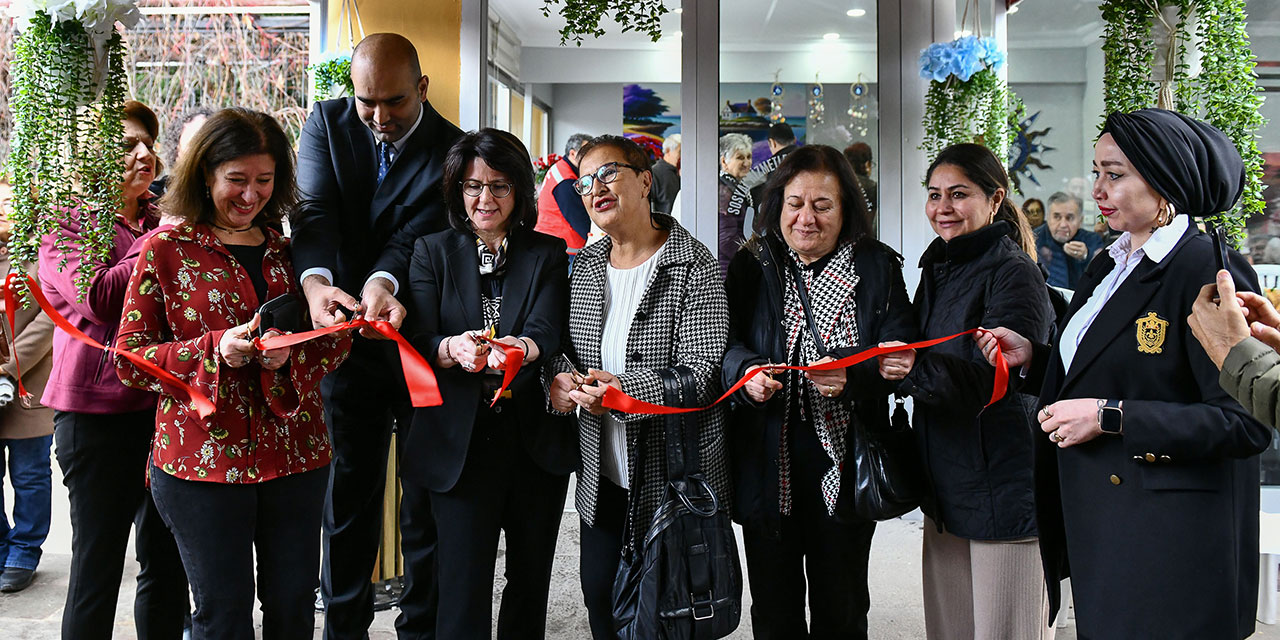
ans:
(830, 553)
(501, 489)
(601, 550)
(104, 460)
(219, 527)
(364, 399)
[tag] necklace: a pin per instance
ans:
(230, 230)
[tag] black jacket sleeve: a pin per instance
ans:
(315, 224)
(1017, 299)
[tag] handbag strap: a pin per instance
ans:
(680, 389)
(804, 302)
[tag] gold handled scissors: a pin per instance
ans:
(577, 376)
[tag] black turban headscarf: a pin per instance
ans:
(1191, 164)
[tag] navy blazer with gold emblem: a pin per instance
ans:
(1157, 527)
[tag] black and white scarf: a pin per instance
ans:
(493, 268)
(831, 298)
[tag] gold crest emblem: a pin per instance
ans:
(1151, 330)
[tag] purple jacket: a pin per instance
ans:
(84, 378)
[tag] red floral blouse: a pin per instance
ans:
(186, 290)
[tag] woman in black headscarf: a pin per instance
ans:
(1147, 472)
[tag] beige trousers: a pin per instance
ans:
(980, 590)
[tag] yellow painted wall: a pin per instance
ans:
(433, 27)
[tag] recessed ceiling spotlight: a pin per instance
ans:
(856, 13)
(830, 36)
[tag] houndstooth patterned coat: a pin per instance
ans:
(683, 318)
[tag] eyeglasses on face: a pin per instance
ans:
(474, 188)
(606, 174)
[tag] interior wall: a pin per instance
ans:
(1059, 106)
(589, 108)
(433, 28)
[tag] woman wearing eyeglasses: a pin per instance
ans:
(645, 298)
(484, 466)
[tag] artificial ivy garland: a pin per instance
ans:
(1224, 93)
(65, 158)
(967, 101)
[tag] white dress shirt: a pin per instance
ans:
(399, 146)
(1157, 248)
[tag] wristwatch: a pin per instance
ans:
(1110, 417)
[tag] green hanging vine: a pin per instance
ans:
(582, 17)
(1224, 93)
(331, 73)
(65, 158)
(967, 101)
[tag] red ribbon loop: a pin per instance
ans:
(615, 399)
(203, 405)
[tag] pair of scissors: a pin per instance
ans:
(577, 376)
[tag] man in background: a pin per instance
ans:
(560, 209)
(1065, 249)
(666, 176)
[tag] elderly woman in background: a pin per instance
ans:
(982, 574)
(1146, 470)
(791, 437)
(645, 298)
(250, 477)
(103, 429)
(489, 469)
(26, 432)
(735, 198)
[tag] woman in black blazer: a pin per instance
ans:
(500, 468)
(1146, 470)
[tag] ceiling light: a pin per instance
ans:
(856, 13)
(830, 36)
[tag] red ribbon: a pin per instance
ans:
(515, 358)
(204, 406)
(615, 399)
(418, 376)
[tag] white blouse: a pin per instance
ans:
(623, 291)
(1157, 247)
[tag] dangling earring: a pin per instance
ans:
(208, 193)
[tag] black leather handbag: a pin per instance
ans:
(883, 469)
(683, 581)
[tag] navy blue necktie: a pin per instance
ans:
(384, 159)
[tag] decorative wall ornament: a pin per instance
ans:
(68, 85)
(1026, 151)
(817, 109)
(1150, 47)
(860, 107)
(775, 99)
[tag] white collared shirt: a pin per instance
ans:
(1157, 247)
(399, 146)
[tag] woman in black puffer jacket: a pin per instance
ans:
(796, 431)
(982, 573)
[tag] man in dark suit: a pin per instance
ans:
(369, 172)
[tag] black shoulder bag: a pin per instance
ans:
(683, 581)
(882, 472)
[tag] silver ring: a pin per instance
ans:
(244, 359)
(266, 360)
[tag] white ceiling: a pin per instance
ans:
(763, 25)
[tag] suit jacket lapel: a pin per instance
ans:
(464, 270)
(407, 167)
(521, 266)
(361, 154)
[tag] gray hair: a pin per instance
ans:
(1065, 197)
(670, 143)
(575, 142)
(732, 142)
